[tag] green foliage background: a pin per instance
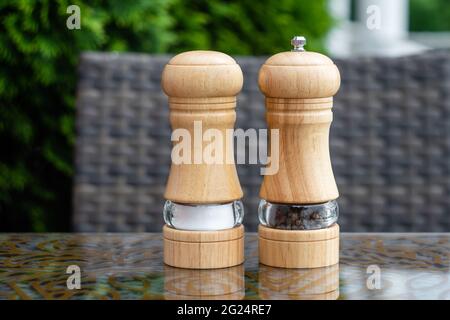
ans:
(39, 55)
(38, 59)
(429, 15)
(249, 27)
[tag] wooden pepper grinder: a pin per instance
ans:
(298, 211)
(203, 211)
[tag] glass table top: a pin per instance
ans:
(130, 266)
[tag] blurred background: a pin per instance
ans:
(71, 122)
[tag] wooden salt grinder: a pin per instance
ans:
(299, 87)
(202, 86)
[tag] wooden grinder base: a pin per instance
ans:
(203, 249)
(299, 248)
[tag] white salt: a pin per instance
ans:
(203, 217)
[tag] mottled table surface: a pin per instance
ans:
(129, 266)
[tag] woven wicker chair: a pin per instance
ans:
(390, 142)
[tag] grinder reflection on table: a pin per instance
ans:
(299, 284)
(298, 211)
(212, 284)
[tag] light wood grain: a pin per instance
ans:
(299, 87)
(299, 75)
(299, 235)
(203, 255)
(203, 236)
(202, 86)
(296, 250)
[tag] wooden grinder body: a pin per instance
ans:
(299, 87)
(202, 86)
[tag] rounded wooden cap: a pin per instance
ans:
(299, 75)
(202, 74)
